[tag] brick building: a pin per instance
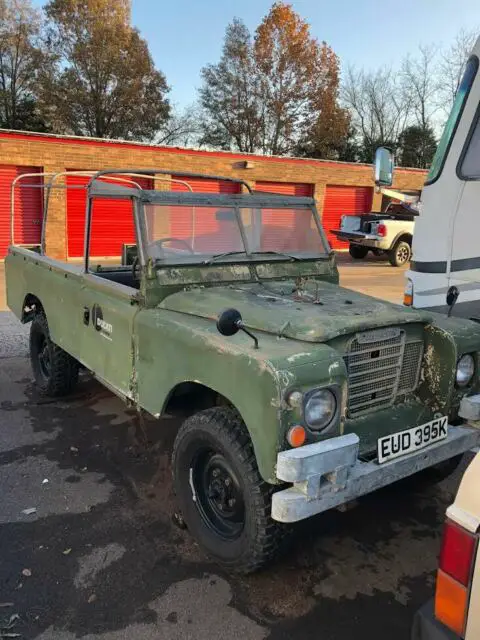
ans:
(337, 187)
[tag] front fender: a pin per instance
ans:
(172, 348)
(447, 339)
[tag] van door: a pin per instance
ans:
(465, 255)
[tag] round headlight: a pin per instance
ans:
(465, 370)
(320, 409)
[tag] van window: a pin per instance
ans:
(470, 169)
(453, 120)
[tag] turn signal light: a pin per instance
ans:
(451, 600)
(408, 294)
(457, 557)
(296, 436)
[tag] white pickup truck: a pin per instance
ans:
(389, 233)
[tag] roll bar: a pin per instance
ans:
(51, 184)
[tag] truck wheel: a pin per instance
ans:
(223, 499)
(400, 254)
(54, 370)
(357, 251)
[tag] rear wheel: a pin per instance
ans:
(224, 501)
(357, 251)
(54, 370)
(400, 254)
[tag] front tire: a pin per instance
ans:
(54, 370)
(400, 254)
(224, 501)
(357, 251)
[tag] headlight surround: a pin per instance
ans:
(465, 370)
(320, 408)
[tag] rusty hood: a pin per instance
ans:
(315, 312)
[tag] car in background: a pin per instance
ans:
(454, 613)
(389, 233)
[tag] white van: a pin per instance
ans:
(446, 241)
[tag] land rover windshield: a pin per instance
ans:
(178, 233)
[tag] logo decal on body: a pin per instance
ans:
(104, 328)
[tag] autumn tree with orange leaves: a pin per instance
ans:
(275, 93)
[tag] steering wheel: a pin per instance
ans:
(180, 240)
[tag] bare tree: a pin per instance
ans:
(182, 128)
(452, 66)
(421, 85)
(380, 108)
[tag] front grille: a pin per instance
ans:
(381, 365)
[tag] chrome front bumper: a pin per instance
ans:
(328, 474)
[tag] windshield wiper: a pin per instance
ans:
(218, 256)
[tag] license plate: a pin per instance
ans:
(403, 442)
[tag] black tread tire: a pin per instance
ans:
(63, 368)
(357, 251)
(393, 254)
(261, 537)
(441, 471)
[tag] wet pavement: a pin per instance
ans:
(100, 557)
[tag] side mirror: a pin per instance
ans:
(383, 167)
(229, 322)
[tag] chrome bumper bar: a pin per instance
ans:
(328, 474)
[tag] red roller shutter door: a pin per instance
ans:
(214, 235)
(281, 226)
(28, 207)
(112, 220)
(299, 189)
(340, 201)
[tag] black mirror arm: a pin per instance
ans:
(241, 326)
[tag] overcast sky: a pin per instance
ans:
(184, 35)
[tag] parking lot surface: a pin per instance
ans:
(89, 549)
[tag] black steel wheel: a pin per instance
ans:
(219, 494)
(54, 370)
(223, 500)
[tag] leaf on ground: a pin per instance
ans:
(66, 552)
(27, 573)
(28, 512)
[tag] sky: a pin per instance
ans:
(185, 35)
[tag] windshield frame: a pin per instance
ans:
(236, 202)
(453, 121)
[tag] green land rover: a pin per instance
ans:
(302, 395)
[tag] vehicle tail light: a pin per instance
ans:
(454, 576)
(408, 294)
(381, 230)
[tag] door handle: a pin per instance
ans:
(86, 316)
